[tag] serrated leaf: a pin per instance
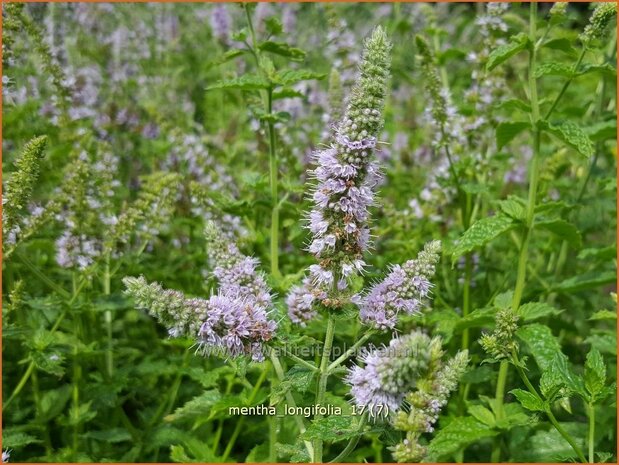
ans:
(53, 402)
(562, 44)
(480, 233)
(482, 414)
(534, 310)
(461, 432)
(595, 373)
(282, 49)
(528, 400)
(513, 206)
(572, 135)
(563, 229)
(286, 92)
(561, 369)
(332, 428)
(507, 131)
(245, 82)
(112, 435)
(540, 341)
(273, 25)
(603, 130)
(604, 315)
(554, 69)
(604, 68)
(291, 76)
(588, 280)
(17, 440)
(515, 104)
(198, 406)
(227, 56)
(516, 44)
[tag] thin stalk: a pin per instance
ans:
(300, 361)
(109, 355)
(350, 351)
(322, 381)
(290, 399)
(591, 432)
(241, 422)
(566, 84)
(352, 443)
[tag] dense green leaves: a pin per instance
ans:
(482, 232)
(516, 44)
(507, 131)
(571, 134)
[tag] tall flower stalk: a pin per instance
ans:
(346, 175)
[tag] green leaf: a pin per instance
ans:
(604, 315)
(588, 280)
(273, 26)
(571, 134)
(562, 371)
(291, 76)
(515, 104)
(528, 400)
(198, 406)
(604, 68)
(282, 49)
(507, 131)
(332, 428)
(563, 229)
(534, 310)
(554, 69)
(562, 44)
(112, 435)
(542, 344)
(595, 373)
(482, 414)
(458, 434)
(53, 402)
(16, 440)
(514, 206)
(516, 44)
(245, 82)
(286, 92)
(603, 130)
(480, 233)
(229, 55)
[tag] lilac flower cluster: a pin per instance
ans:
(300, 302)
(405, 289)
(347, 174)
(223, 324)
(236, 273)
(221, 23)
(392, 371)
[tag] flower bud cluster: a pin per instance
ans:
(425, 403)
(393, 371)
(501, 342)
(224, 324)
(405, 289)
(598, 23)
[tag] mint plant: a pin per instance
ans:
(309, 232)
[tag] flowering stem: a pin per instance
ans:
(533, 181)
(322, 380)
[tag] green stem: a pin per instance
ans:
(591, 432)
(566, 84)
(300, 361)
(322, 381)
(350, 351)
(352, 443)
(241, 422)
(109, 355)
(570, 440)
(273, 168)
(290, 399)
